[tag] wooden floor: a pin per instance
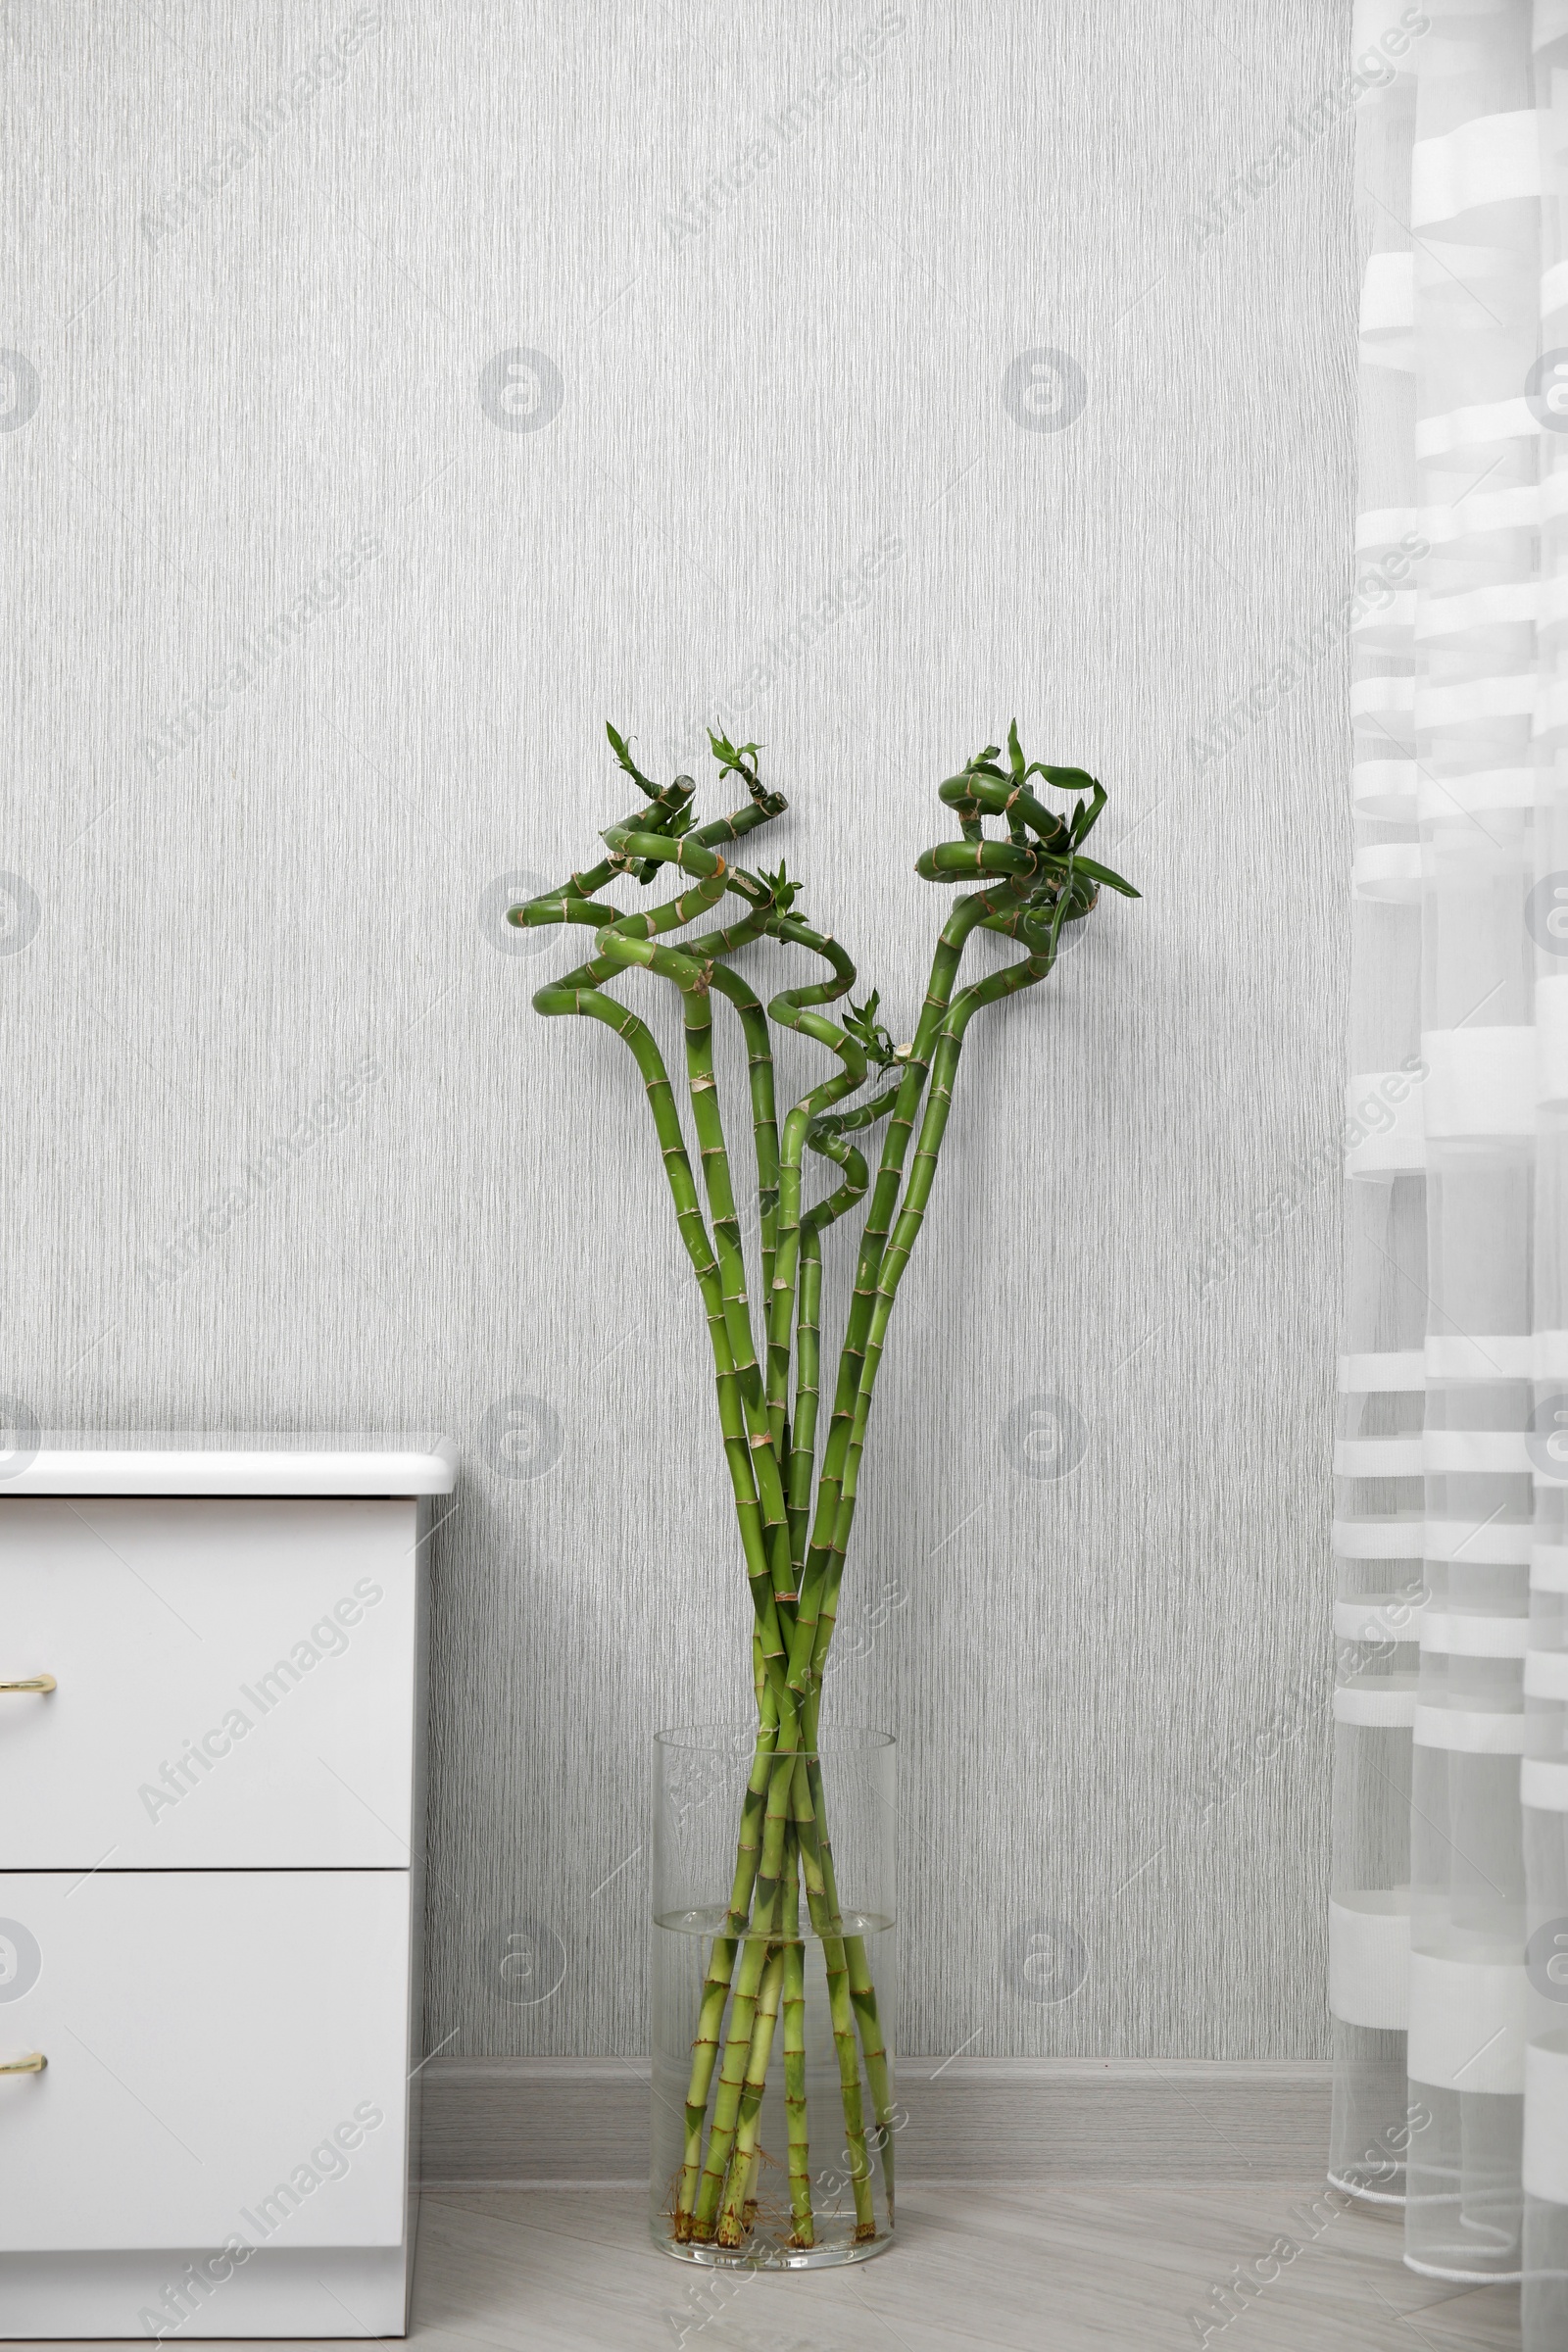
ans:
(1092, 2269)
(1086, 2270)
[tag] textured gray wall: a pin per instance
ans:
(308, 646)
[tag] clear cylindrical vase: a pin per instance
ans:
(773, 1998)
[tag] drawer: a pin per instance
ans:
(229, 2057)
(236, 1682)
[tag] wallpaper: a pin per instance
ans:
(389, 397)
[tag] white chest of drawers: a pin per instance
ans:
(211, 1885)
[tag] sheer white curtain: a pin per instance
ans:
(1449, 1922)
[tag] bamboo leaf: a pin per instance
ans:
(1015, 753)
(739, 759)
(1065, 779)
(1102, 873)
(780, 889)
(861, 1022)
(622, 751)
(1083, 822)
(734, 755)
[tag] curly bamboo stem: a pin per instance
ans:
(792, 1010)
(764, 1117)
(825, 1136)
(807, 1375)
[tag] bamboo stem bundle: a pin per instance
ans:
(795, 1492)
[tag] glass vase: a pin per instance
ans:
(773, 1998)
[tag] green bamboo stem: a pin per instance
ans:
(807, 1377)
(884, 1198)
(922, 1174)
(764, 1117)
(557, 907)
(844, 1197)
(995, 986)
(760, 1058)
(840, 2004)
(896, 1257)
(840, 1989)
(560, 905)
(624, 946)
(768, 1899)
(878, 2068)
(743, 2156)
(862, 1991)
(749, 1849)
(732, 1270)
(593, 1003)
(704, 2053)
(792, 1008)
(722, 1959)
(833, 1123)
(796, 2119)
(619, 949)
(708, 949)
(982, 789)
(691, 977)
(992, 990)
(671, 915)
(665, 808)
(961, 858)
(731, 2084)
(825, 1136)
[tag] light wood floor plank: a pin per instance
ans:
(1108, 2267)
(1094, 2270)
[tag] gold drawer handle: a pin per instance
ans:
(32, 1681)
(33, 2064)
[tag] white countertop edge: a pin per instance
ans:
(244, 1470)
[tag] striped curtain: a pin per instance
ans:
(1449, 1913)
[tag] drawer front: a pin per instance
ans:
(229, 2057)
(236, 1682)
